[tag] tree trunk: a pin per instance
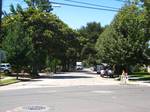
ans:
(55, 67)
(35, 71)
(17, 77)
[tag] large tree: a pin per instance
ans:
(124, 41)
(89, 35)
(36, 36)
(16, 40)
(146, 6)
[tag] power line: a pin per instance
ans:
(87, 7)
(85, 3)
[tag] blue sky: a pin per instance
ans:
(77, 17)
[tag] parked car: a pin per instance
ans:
(94, 68)
(99, 68)
(106, 72)
(79, 66)
(5, 67)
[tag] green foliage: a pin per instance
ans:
(88, 38)
(124, 41)
(2, 55)
(31, 36)
(12, 9)
(52, 63)
(8, 81)
(42, 5)
(140, 68)
(16, 43)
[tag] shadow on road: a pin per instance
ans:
(29, 80)
(63, 77)
(139, 78)
(70, 77)
(58, 75)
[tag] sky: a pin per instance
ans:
(78, 17)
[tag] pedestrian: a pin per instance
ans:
(124, 77)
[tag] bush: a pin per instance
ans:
(140, 68)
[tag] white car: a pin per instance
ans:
(5, 67)
(79, 67)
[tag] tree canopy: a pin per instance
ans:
(33, 36)
(42, 5)
(36, 38)
(89, 35)
(124, 41)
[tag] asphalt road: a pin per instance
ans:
(74, 92)
(101, 98)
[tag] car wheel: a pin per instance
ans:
(102, 75)
(6, 72)
(111, 76)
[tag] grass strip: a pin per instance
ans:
(8, 81)
(140, 76)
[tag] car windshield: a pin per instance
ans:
(5, 65)
(2, 66)
(8, 65)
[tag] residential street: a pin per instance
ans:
(87, 77)
(74, 92)
(63, 80)
(74, 56)
(104, 98)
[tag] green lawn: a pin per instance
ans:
(8, 81)
(140, 76)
